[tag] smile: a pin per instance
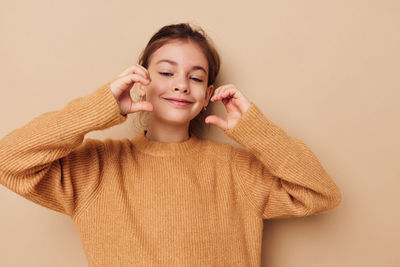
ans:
(178, 102)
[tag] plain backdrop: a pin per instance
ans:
(327, 72)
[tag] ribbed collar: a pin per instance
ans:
(141, 143)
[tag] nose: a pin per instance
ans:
(183, 90)
(182, 85)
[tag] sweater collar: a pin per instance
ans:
(157, 148)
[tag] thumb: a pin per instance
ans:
(141, 106)
(217, 121)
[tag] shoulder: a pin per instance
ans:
(108, 146)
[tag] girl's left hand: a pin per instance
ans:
(236, 105)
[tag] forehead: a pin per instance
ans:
(184, 53)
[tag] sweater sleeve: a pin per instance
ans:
(46, 161)
(278, 174)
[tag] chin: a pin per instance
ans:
(175, 118)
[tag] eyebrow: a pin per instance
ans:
(174, 63)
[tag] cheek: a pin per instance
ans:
(155, 91)
(200, 95)
(156, 88)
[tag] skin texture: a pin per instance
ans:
(183, 79)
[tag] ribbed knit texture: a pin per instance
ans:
(145, 203)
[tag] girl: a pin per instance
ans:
(166, 197)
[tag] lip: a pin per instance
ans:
(178, 101)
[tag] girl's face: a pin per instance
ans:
(178, 70)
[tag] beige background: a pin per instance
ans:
(327, 72)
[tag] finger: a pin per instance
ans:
(133, 78)
(141, 106)
(135, 69)
(230, 93)
(223, 87)
(227, 93)
(136, 77)
(125, 82)
(220, 90)
(216, 91)
(217, 121)
(144, 69)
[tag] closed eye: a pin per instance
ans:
(166, 73)
(197, 80)
(170, 74)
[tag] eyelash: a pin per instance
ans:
(195, 79)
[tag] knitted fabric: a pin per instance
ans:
(137, 202)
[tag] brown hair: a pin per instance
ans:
(186, 32)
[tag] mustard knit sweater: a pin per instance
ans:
(146, 203)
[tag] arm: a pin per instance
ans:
(278, 174)
(46, 162)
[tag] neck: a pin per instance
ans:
(163, 132)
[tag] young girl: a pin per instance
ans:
(166, 197)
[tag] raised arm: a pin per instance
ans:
(47, 162)
(278, 174)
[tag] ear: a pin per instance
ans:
(208, 94)
(141, 90)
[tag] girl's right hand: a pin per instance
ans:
(122, 85)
